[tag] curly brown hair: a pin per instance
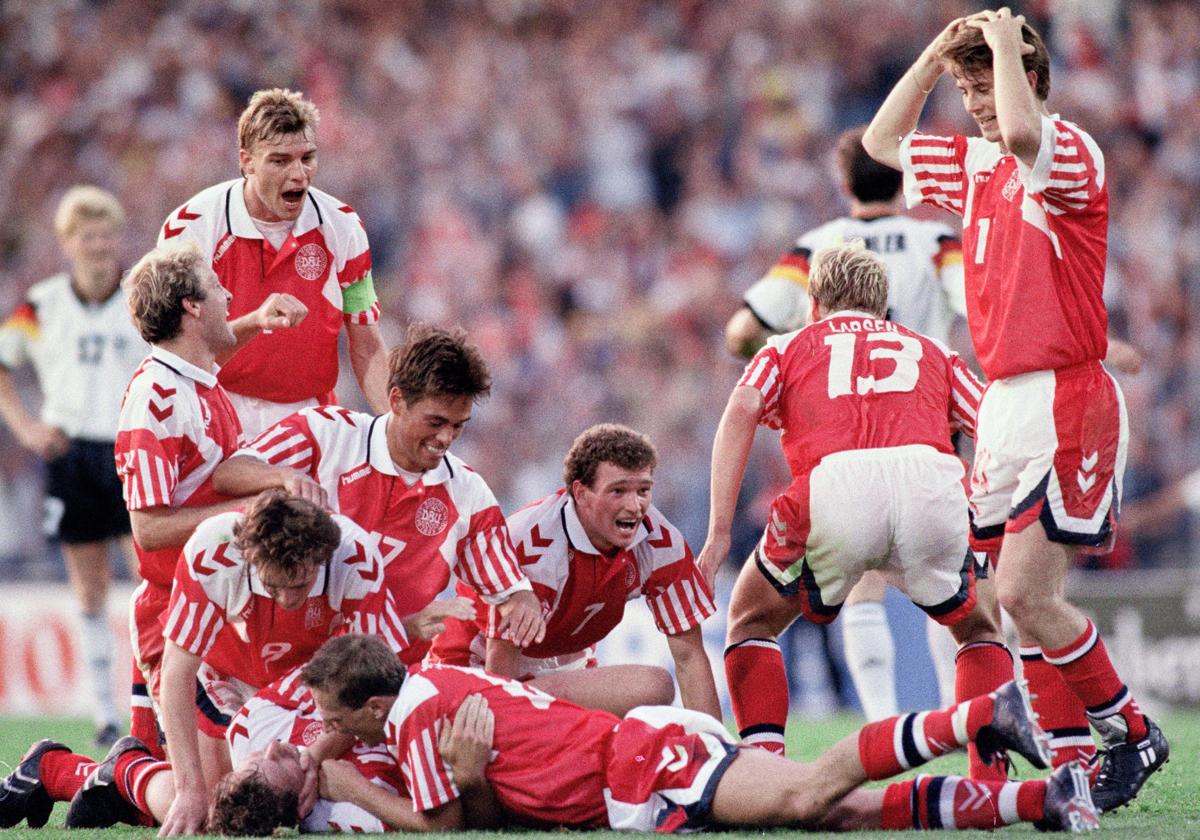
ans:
(611, 443)
(354, 669)
(968, 54)
(286, 533)
(434, 361)
(244, 805)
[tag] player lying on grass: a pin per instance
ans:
(588, 549)
(550, 763)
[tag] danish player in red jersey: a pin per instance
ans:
(588, 549)
(1053, 433)
(867, 408)
(394, 475)
(298, 255)
(176, 424)
(543, 762)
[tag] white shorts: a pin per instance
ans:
(1050, 447)
(901, 510)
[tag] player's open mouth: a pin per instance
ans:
(436, 450)
(293, 198)
(626, 526)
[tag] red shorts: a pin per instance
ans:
(663, 767)
(1050, 448)
(150, 601)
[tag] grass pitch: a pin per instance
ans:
(1168, 808)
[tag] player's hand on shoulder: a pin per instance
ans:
(711, 556)
(432, 620)
(187, 814)
(521, 619)
(43, 440)
(466, 743)
(340, 779)
(299, 484)
(280, 311)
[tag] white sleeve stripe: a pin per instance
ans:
(1064, 167)
(173, 618)
(418, 786)
(185, 629)
(966, 384)
(297, 443)
(941, 169)
(434, 762)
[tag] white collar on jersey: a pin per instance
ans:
(206, 378)
(577, 535)
(243, 226)
(853, 313)
(380, 459)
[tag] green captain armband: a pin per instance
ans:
(359, 296)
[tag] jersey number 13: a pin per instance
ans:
(903, 351)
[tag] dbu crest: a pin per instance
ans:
(311, 261)
(432, 517)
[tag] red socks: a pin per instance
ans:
(142, 722)
(891, 746)
(1086, 668)
(758, 691)
(953, 802)
(63, 772)
(1060, 713)
(133, 773)
(980, 668)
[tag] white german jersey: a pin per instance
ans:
(446, 521)
(83, 354)
(221, 612)
(924, 265)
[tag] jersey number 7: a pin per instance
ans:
(905, 355)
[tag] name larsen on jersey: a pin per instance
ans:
(865, 325)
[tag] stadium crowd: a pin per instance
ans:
(589, 187)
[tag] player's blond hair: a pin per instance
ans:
(85, 203)
(159, 284)
(273, 113)
(848, 276)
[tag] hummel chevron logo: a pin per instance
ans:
(217, 556)
(163, 392)
(161, 413)
(536, 540)
(1085, 477)
(977, 797)
(672, 761)
(184, 216)
(662, 542)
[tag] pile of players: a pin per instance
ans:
(288, 636)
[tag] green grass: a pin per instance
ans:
(1168, 808)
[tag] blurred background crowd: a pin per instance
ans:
(588, 186)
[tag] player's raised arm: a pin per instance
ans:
(898, 114)
(1018, 111)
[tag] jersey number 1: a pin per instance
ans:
(841, 364)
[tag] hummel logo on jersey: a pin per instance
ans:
(355, 475)
(223, 246)
(1086, 476)
(673, 760)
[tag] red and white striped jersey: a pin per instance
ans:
(220, 611)
(549, 756)
(854, 381)
(1034, 242)
(583, 592)
(447, 521)
(176, 425)
(924, 267)
(325, 262)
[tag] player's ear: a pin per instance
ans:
(245, 161)
(396, 400)
(380, 706)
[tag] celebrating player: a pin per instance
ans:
(75, 329)
(394, 475)
(297, 263)
(661, 768)
(1053, 432)
(867, 408)
(176, 424)
(589, 548)
(925, 292)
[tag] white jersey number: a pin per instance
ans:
(843, 382)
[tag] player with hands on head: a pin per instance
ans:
(74, 329)
(297, 263)
(394, 474)
(1053, 432)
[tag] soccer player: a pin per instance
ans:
(588, 549)
(1052, 427)
(867, 408)
(176, 424)
(75, 330)
(394, 475)
(551, 763)
(255, 594)
(925, 292)
(275, 240)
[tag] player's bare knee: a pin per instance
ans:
(659, 686)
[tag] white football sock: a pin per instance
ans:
(870, 656)
(97, 643)
(942, 650)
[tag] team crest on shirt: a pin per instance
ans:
(432, 517)
(312, 615)
(312, 731)
(311, 261)
(1011, 186)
